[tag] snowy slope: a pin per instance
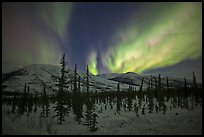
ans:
(109, 75)
(36, 75)
(135, 79)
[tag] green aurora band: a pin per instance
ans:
(92, 61)
(57, 15)
(38, 38)
(173, 36)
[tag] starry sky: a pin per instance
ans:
(110, 37)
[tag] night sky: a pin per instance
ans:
(109, 37)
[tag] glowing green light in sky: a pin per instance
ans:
(57, 16)
(92, 62)
(173, 36)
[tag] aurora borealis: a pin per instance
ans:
(174, 37)
(109, 37)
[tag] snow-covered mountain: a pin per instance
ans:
(36, 75)
(132, 78)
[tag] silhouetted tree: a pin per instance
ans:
(151, 83)
(79, 88)
(88, 112)
(15, 99)
(118, 104)
(141, 84)
(118, 87)
(195, 85)
(61, 107)
(35, 101)
(87, 79)
(167, 84)
(149, 86)
(77, 106)
(75, 78)
(30, 103)
(143, 110)
(185, 88)
(45, 104)
(151, 103)
(22, 105)
(24, 90)
(159, 83)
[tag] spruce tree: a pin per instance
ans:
(79, 87)
(45, 104)
(141, 84)
(30, 103)
(185, 87)
(118, 87)
(151, 83)
(159, 83)
(151, 103)
(35, 102)
(149, 86)
(167, 84)
(75, 78)
(94, 121)
(143, 110)
(195, 86)
(60, 108)
(88, 112)
(87, 79)
(118, 104)
(77, 106)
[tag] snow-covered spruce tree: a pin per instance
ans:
(77, 106)
(88, 112)
(87, 79)
(60, 108)
(151, 103)
(75, 78)
(94, 121)
(151, 83)
(79, 88)
(90, 115)
(45, 104)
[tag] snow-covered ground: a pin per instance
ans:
(175, 122)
